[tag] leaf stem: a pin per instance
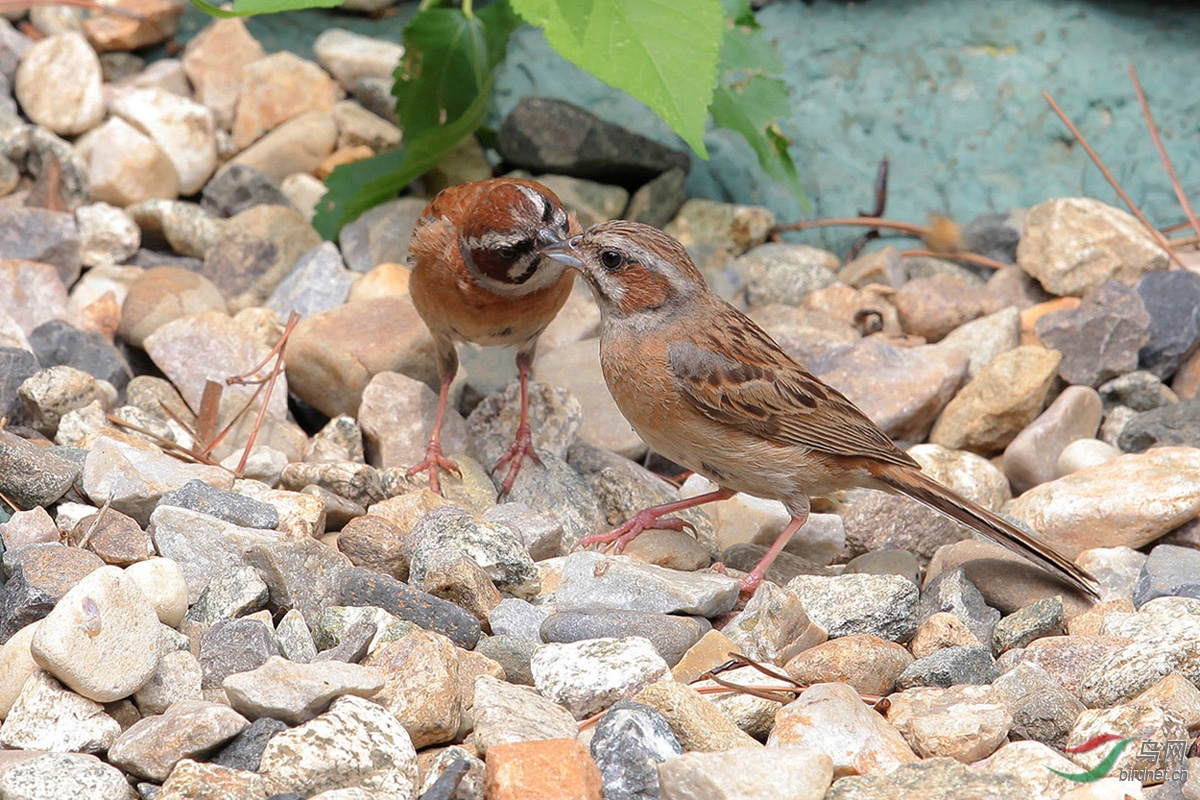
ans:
(467, 8)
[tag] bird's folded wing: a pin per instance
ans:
(750, 384)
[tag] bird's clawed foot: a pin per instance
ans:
(641, 521)
(435, 460)
(749, 584)
(522, 447)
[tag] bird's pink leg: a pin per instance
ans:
(751, 581)
(649, 518)
(434, 458)
(522, 445)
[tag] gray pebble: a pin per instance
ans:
(950, 666)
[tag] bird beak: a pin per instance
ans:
(552, 245)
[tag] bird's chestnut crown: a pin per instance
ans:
(503, 233)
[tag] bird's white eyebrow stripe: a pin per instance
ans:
(535, 197)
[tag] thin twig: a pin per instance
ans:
(959, 255)
(919, 231)
(248, 375)
(169, 447)
(881, 185)
(278, 351)
(1137, 212)
(1162, 151)
(87, 536)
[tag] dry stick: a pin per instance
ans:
(959, 255)
(1137, 212)
(1162, 151)
(277, 351)
(267, 383)
(87, 536)
(169, 447)
(919, 231)
(1178, 226)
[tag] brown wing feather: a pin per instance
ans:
(736, 374)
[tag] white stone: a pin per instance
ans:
(126, 166)
(349, 56)
(1131, 500)
(1116, 569)
(591, 581)
(355, 744)
(576, 367)
(134, 478)
(397, 415)
(11, 334)
(16, 666)
(182, 128)
(1032, 761)
(831, 718)
(58, 84)
(73, 775)
(747, 773)
(589, 676)
(177, 677)
(28, 527)
(965, 722)
(101, 638)
(162, 582)
(46, 716)
(985, 338)
(1084, 453)
(107, 235)
(305, 191)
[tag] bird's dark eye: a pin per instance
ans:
(507, 253)
(611, 259)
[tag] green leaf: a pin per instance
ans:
(445, 66)
(663, 52)
(751, 100)
(499, 22)
(752, 109)
(250, 8)
(362, 185)
(442, 91)
(740, 13)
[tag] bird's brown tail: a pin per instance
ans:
(924, 489)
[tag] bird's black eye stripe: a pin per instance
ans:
(547, 211)
(511, 252)
(611, 259)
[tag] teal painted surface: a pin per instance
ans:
(949, 91)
